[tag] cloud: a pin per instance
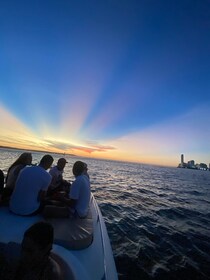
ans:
(99, 147)
(57, 144)
(91, 146)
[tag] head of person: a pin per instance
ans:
(61, 163)
(46, 161)
(24, 158)
(37, 243)
(79, 168)
(85, 172)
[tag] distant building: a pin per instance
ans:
(203, 166)
(182, 164)
(192, 165)
(182, 158)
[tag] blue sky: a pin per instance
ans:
(117, 79)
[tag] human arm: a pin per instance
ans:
(68, 201)
(57, 177)
(53, 183)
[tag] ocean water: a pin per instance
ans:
(158, 218)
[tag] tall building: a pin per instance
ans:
(182, 158)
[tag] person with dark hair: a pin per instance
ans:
(42, 233)
(32, 259)
(13, 171)
(1, 183)
(1, 180)
(78, 168)
(22, 161)
(35, 252)
(58, 183)
(79, 196)
(31, 187)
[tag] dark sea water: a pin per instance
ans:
(158, 218)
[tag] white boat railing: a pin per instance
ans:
(105, 256)
(103, 243)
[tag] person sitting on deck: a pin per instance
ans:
(31, 187)
(58, 183)
(1, 183)
(32, 259)
(79, 196)
(1, 180)
(22, 161)
(77, 202)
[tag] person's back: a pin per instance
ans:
(23, 160)
(32, 181)
(80, 191)
(58, 183)
(57, 177)
(10, 182)
(78, 198)
(12, 176)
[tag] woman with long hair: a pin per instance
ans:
(22, 161)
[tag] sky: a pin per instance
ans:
(117, 79)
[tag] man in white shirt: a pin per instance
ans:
(31, 187)
(79, 196)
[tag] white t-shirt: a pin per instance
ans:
(80, 191)
(57, 176)
(24, 199)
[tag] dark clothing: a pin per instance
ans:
(11, 267)
(10, 181)
(1, 181)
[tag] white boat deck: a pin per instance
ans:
(84, 246)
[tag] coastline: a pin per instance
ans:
(32, 150)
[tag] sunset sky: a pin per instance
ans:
(117, 79)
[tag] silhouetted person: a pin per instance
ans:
(32, 260)
(1, 183)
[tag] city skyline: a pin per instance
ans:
(122, 80)
(193, 164)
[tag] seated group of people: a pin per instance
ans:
(29, 188)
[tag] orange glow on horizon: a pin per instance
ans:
(153, 145)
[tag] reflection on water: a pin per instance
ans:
(158, 218)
